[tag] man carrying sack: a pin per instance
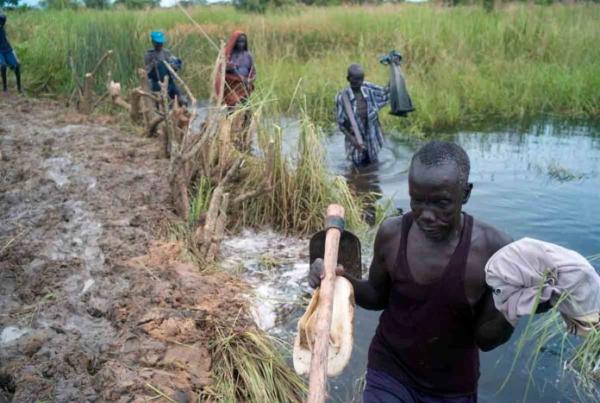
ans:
(357, 115)
(358, 106)
(427, 275)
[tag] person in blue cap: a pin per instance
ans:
(8, 57)
(154, 63)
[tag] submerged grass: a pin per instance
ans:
(578, 355)
(464, 65)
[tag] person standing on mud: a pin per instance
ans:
(240, 71)
(357, 110)
(8, 57)
(154, 64)
(427, 275)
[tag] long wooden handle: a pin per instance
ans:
(352, 119)
(317, 386)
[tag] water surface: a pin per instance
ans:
(542, 182)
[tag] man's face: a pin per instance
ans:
(356, 81)
(240, 44)
(158, 46)
(436, 198)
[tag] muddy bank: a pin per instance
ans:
(93, 307)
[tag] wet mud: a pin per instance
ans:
(93, 305)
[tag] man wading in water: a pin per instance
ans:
(427, 275)
(357, 109)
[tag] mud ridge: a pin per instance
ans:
(93, 305)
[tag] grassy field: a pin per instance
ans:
(464, 66)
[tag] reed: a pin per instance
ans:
(200, 199)
(299, 185)
(248, 367)
(579, 356)
(464, 66)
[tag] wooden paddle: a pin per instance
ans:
(317, 386)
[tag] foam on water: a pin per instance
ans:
(276, 267)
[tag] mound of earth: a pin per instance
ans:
(93, 305)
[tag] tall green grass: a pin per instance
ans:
(297, 185)
(464, 66)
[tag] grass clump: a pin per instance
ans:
(299, 185)
(248, 367)
(200, 199)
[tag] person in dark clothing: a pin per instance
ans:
(427, 275)
(154, 63)
(8, 57)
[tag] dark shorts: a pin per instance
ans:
(384, 388)
(9, 59)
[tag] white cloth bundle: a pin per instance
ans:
(524, 269)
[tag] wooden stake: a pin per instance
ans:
(317, 386)
(114, 89)
(87, 99)
(147, 105)
(135, 112)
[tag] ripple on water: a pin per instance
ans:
(542, 183)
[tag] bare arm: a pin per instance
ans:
(373, 293)
(491, 328)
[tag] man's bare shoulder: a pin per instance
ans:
(488, 238)
(389, 228)
(386, 242)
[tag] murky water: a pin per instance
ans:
(543, 183)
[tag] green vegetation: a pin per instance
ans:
(200, 199)
(578, 355)
(301, 187)
(464, 66)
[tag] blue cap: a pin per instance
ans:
(157, 37)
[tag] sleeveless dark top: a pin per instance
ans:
(425, 336)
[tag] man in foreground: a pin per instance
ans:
(154, 63)
(357, 115)
(427, 275)
(8, 57)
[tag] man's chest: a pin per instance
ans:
(439, 267)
